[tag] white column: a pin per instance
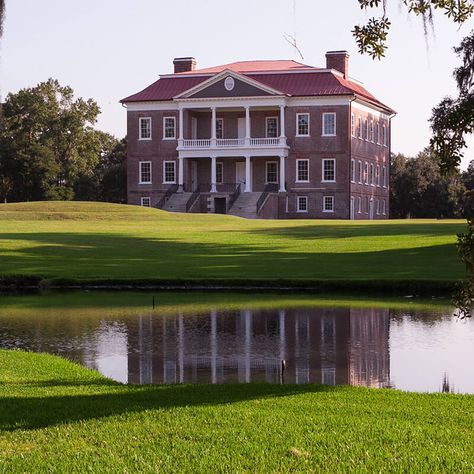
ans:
(282, 125)
(247, 125)
(213, 126)
(248, 184)
(213, 174)
(180, 174)
(282, 175)
(181, 127)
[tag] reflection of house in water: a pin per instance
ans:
(341, 346)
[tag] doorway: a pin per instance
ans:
(194, 181)
(220, 205)
(241, 128)
(240, 174)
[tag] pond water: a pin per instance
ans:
(225, 338)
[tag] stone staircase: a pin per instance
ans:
(177, 202)
(245, 206)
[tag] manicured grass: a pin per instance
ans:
(56, 416)
(96, 241)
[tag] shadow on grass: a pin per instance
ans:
(39, 412)
(96, 255)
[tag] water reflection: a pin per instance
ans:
(337, 346)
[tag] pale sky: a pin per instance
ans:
(109, 49)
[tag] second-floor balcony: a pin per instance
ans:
(231, 143)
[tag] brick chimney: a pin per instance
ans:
(338, 60)
(184, 64)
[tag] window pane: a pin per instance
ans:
(169, 127)
(328, 203)
(272, 127)
(303, 124)
(145, 172)
(169, 172)
(219, 172)
(329, 167)
(145, 202)
(302, 203)
(145, 128)
(272, 172)
(219, 129)
(329, 124)
(303, 170)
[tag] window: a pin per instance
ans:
(169, 174)
(329, 170)
(384, 176)
(302, 125)
(384, 137)
(145, 202)
(271, 127)
(353, 171)
(328, 203)
(144, 168)
(366, 204)
(145, 128)
(353, 125)
(359, 207)
(371, 178)
(219, 172)
(220, 128)
(377, 206)
(302, 203)
(271, 172)
(377, 175)
(378, 132)
(169, 128)
(367, 129)
(329, 124)
(302, 171)
(372, 132)
(359, 171)
(359, 131)
(366, 172)
(383, 207)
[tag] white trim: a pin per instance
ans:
(368, 108)
(277, 126)
(140, 172)
(164, 127)
(353, 125)
(372, 174)
(359, 205)
(324, 204)
(366, 169)
(360, 175)
(298, 204)
(353, 170)
(229, 102)
(143, 198)
(146, 106)
(360, 128)
(317, 101)
(377, 175)
(140, 119)
(296, 177)
(164, 171)
(322, 171)
(223, 75)
(325, 114)
(297, 124)
(266, 172)
(366, 127)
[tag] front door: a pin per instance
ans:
(194, 183)
(194, 128)
(241, 128)
(240, 174)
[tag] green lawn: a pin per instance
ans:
(56, 416)
(106, 241)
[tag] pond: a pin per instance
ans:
(141, 338)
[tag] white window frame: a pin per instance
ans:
(360, 128)
(221, 121)
(140, 180)
(377, 207)
(266, 172)
(164, 172)
(384, 176)
(298, 209)
(366, 204)
(359, 205)
(142, 200)
(327, 114)
(353, 171)
(324, 204)
(164, 127)
(366, 170)
(221, 165)
(377, 176)
(353, 127)
(299, 160)
(372, 175)
(297, 124)
(140, 120)
(372, 131)
(360, 172)
(322, 171)
(378, 133)
(275, 117)
(384, 208)
(367, 129)
(384, 132)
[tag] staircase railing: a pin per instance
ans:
(269, 188)
(169, 192)
(233, 197)
(193, 198)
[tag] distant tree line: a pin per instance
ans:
(419, 188)
(50, 150)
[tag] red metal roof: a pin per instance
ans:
(306, 81)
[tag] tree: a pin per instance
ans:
(2, 16)
(371, 38)
(47, 141)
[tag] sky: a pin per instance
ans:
(109, 49)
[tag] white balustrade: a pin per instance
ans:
(233, 142)
(196, 143)
(264, 141)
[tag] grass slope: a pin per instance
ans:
(91, 241)
(59, 417)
